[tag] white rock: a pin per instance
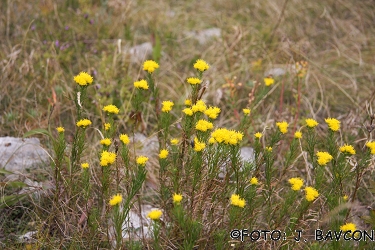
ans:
(203, 36)
(139, 53)
(27, 237)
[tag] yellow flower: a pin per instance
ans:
(150, 66)
(194, 80)
(188, 102)
(142, 84)
(174, 141)
(115, 200)
(296, 183)
(105, 141)
(333, 124)
(323, 158)
(298, 135)
(198, 146)
(345, 197)
(349, 227)
(254, 181)
(212, 112)
(200, 106)
(347, 149)
(124, 139)
(141, 160)
(283, 126)
(269, 149)
(167, 106)
(311, 193)
(371, 146)
(268, 81)
(201, 65)
(111, 109)
(188, 111)
(107, 158)
(163, 154)
(84, 165)
(177, 198)
(60, 129)
(83, 79)
(203, 125)
(258, 135)
(83, 123)
(223, 135)
(107, 126)
(155, 214)
(211, 140)
(246, 111)
(235, 200)
(311, 123)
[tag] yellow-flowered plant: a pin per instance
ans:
(296, 183)
(269, 149)
(212, 112)
(268, 81)
(283, 126)
(155, 214)
(201, 65)
(246, 111)
(107, 158)
(254, 181)
(107, 126)
(174, 141)
(85, 165)
(142, 160)
(203, 125)
(141, 84)
(60, 129)
(198, 146)
(111, 109)
(167, 106)
(188, 111)
(311, 123)
(194, 80)
(323, 158)
(124, 138)
(106, 141)
(349, 149)
(83, 123)
(188, 102)
(311, 193)
(200, 106)
(333, 124)
(223, 135)
(258, 135)
(115, 200)
(83, 79)
(150, 66)
(163, 154)
(236, 200)
(371, 146)
(177, 198)
(349, 227)
(298, 135)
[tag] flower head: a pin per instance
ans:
(107, 126)
(200, 106)
(163, 154)
(298, 135)
(115, 200)
(188, 102)
(212, 112)
(269, 149)
(83, 123)
(177, 198)
(83, 79)
(246, 111)
(223, 135)
(60, 129)
(349, 149)
(142, 84)
(203, 125)
(188, 111)
(174, 141)
(105, 141)
(333, 124)
(371, 146)
(194, 80)
(236, 200)
(258, 135)
(296, 183)
(150, 66)
(348, 227)
(283, 126)
(345, 197)
(311, 123)
(84, 165)
(167, 106)
(254, 181)
(107, 158)
(198, 146)
(141, 160)
(268, 81)
(124, 138)
(201, 65)
(311, 193)
(211, 140)
(323, 158)
(111, 109)
(155, 214)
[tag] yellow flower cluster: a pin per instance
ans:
(60, 129)
(177, 198)
(311, 193)
(212, 112)
(200, 106)
(84, 165)
(83, 79)
(203, 125)
(298, 135)
(163, 154)
(211, 140)
(223, 135)
(167, 106)
(254, 181)
(347, 149)
(194, 80)
(323, 158)
(198, 146)
(311, 123)
(268, 81)
(115, 200)
(142, 84)
(83, 123)
(246, 111)
(188, 102)
(283, 126)
(371, 146)
(296, 183)
(333, 124)
(155, 214)
(141, 160)
(107, 126)
(301, 68)
(201, 65)
(269, 149)
(124, 139)
(174, 141)
(105, 142)
(258, 135)
(111, 109)
(188, 111)
(349, 227)
(150, 66)
(236, 200)
(107, 158)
